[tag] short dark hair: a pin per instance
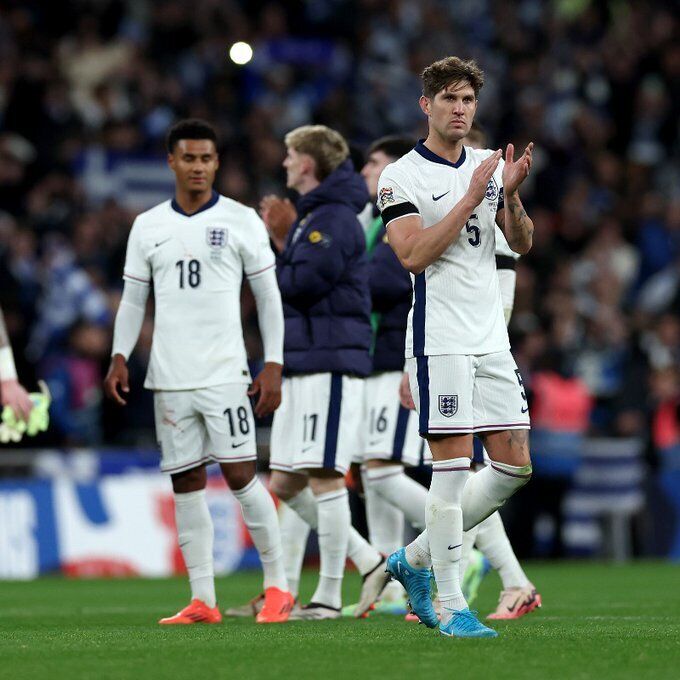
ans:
(393, 146)
(451, 70)
(189, 128)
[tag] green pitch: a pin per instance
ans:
(597, 621)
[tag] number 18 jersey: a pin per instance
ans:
(196, 263)
(456, 301)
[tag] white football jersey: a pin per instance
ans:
(456, 303)
(196, 264)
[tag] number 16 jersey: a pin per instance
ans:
(457, 305)
(196, 263)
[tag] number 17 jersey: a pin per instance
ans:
(196, 264)
(457, 305)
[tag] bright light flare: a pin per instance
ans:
(241, 53)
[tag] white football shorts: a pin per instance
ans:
(207, 424)
(390, 430)
(465, 393)
(319, 422)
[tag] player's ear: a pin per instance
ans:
(425, 104)
(309, 165)
(171, 160)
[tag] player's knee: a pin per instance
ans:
(321, 484)
(285, 485)
(238, 475)
(189, 480)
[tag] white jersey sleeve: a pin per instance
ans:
(396, 198)
(137, 266)
(256, 252)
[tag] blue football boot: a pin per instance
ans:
(416, 583)
(464, 624)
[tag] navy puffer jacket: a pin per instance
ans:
(391, 294)
(323, 277)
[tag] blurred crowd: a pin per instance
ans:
(88, 89)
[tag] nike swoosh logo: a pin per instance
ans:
(181, 545)
(524, 410)
(514, 604)
(377, 441)
(160, 243)
(307, 448)
(453, 547)
(235, 446)
(436, 198)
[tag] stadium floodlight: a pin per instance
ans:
(241, 53)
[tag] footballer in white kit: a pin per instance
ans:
(440, 204)
(461, 370)
(195, 250)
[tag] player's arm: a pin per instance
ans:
(126, 329)
(12, 394)
(270, 319)
(416, 247)
(513, 219)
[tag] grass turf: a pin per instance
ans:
(597, 621)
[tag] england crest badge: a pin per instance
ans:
(491, 190)
(448, 405)
(216, 237)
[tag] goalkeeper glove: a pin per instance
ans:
(12, 429)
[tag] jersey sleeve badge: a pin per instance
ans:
(385, 196)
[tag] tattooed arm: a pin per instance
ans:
(513, 220)
(12, 394)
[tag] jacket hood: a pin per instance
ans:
(343, 186)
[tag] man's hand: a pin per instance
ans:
(116, 378)
(12, 394)
(515, 172)
(268, 384)
(480, 178)
(405, 396)
(278, 214)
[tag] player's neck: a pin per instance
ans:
(192, 201)
(307, 184)
(449, 151)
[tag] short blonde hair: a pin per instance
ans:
(451, 70)
(327, 147)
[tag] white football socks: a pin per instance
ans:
(333, 531)
(195, 536)
(445, 530)
(488, 489)
(418, 552)
(259, 515)
(385, 521)
(495, 545)
(364, 556)
(400, 490)
(294, 534)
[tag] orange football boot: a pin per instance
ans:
(196, 611)
(277, 606)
